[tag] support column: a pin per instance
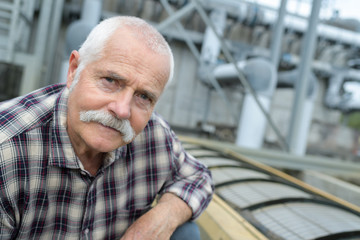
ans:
(301, 85)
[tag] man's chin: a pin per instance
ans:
(104, 144)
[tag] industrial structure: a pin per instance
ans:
(274, 84)
(234, 60)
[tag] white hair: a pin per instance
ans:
(92, 49)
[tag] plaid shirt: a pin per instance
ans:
(45, 193)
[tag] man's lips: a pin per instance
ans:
(108, 127)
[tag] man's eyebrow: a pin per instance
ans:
(115, 76)
(118, 77)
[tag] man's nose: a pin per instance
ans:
(121, 106)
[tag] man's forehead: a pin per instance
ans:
(125, 49)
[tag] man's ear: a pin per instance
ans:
(73, 65)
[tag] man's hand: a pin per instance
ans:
(161, 221)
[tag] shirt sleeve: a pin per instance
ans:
(191, 180)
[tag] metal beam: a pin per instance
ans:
(182, 30)
(176, 16)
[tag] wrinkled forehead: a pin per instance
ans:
(125, 50)
(129, 42)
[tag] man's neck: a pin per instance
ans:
(91, 161)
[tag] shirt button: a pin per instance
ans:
(86, 231)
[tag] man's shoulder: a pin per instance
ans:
(27, 112)
(158, 123)
(157, 131)
(157, 119)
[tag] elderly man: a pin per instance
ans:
(87, 160)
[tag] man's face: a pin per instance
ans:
(125, 83)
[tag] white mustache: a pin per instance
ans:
(108, 120)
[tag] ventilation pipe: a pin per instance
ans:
(79, 30)
(262, 76)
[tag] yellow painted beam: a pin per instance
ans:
(220, 221)
(295, 181)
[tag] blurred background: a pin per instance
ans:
(276, 77)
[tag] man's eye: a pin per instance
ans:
(110, 80)
(143, 101)
(108, 84)
(144, 97)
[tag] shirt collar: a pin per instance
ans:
(62, 152)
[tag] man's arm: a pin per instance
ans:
(161, 221)
(185, 194)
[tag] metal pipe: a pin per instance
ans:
(53, 37)
(91, 11)
(79, 30)
(210, 50)
(241, 76)
(34, 70)
(276, 41)
(302, 83)
(211, 46)
(13, 24)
